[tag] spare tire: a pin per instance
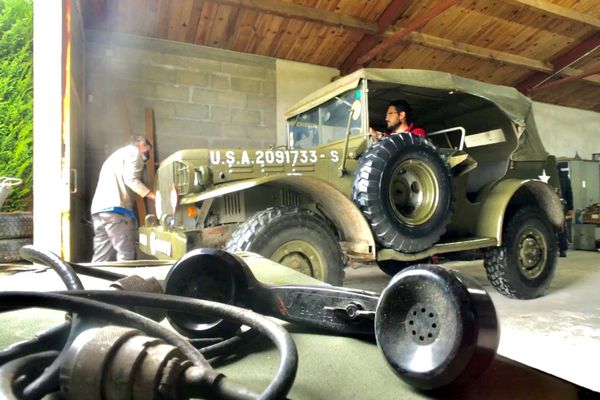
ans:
(403, 187)
(16, 225)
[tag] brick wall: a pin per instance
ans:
(201, 97)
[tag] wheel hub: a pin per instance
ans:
(302, 257)
(414, 192)
(532, 253)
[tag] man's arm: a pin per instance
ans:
(132, 174)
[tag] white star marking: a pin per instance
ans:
(543, 177)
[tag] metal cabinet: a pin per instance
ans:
(585, 181)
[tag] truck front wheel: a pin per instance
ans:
(523, 267)
(294, 237)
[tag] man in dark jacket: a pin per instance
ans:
(567, 200)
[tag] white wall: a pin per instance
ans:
(294, 81)
(566, 131)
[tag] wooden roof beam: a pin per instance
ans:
(560, 82)
(309, 14)
(555, 10)
(388, 17)
(451, 46)
(412, 26)
(562, 62)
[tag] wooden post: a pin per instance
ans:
(150, 166)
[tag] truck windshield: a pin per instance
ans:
(325, 123)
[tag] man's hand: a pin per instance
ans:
(150, 196)
(569, 215)
(375, 134)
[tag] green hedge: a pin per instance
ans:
(16, 99)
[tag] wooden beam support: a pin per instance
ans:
(309, 14)
(388, 17)
(150, 164)
(438, 43)
(560, 82)
(412, 26)
(555, 10)
(562, 62)
(392, 13)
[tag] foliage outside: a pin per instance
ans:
(16, 99)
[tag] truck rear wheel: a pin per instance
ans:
(404, 189)
(294, 237)
(523, 267)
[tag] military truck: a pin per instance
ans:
(332, 197)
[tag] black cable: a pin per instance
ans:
(61, 267)
(11, 371)
(288, 364)
(226, 346)
(96, 273)
(277, 389)
(47, 381)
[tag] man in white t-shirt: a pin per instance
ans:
(115, 224)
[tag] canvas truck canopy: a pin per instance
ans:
(514, 105)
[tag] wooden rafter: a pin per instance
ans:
(291, 10)
(412, 26)
(388, 17)
(478, 52)
(566, 80)
(562, 62)
(555, 10)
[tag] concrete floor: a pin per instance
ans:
(558, 333)
(548, 346)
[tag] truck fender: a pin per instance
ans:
(493, 210)
(355, 233)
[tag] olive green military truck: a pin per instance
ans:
(481, 180)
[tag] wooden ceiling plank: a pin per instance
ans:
(556, 10)
(291, 10)
(181, 12)
(388, 17)
(195, 19)
(207, 18)
(412, 26)
(562, 61)
(162, 27)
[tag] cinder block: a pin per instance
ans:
(260, 103)
(232, 99)
(268, 119)
(245, 71)
(157, 73)
(220, 82)
(268, 89)
(162, 109)
(245, 116)
(192, 78)
(245, 85)
(220, 114)
(172, 92)
(193, 111)
(203, 96)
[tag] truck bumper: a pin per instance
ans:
(162, 244)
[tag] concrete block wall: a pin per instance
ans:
(201, 97)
